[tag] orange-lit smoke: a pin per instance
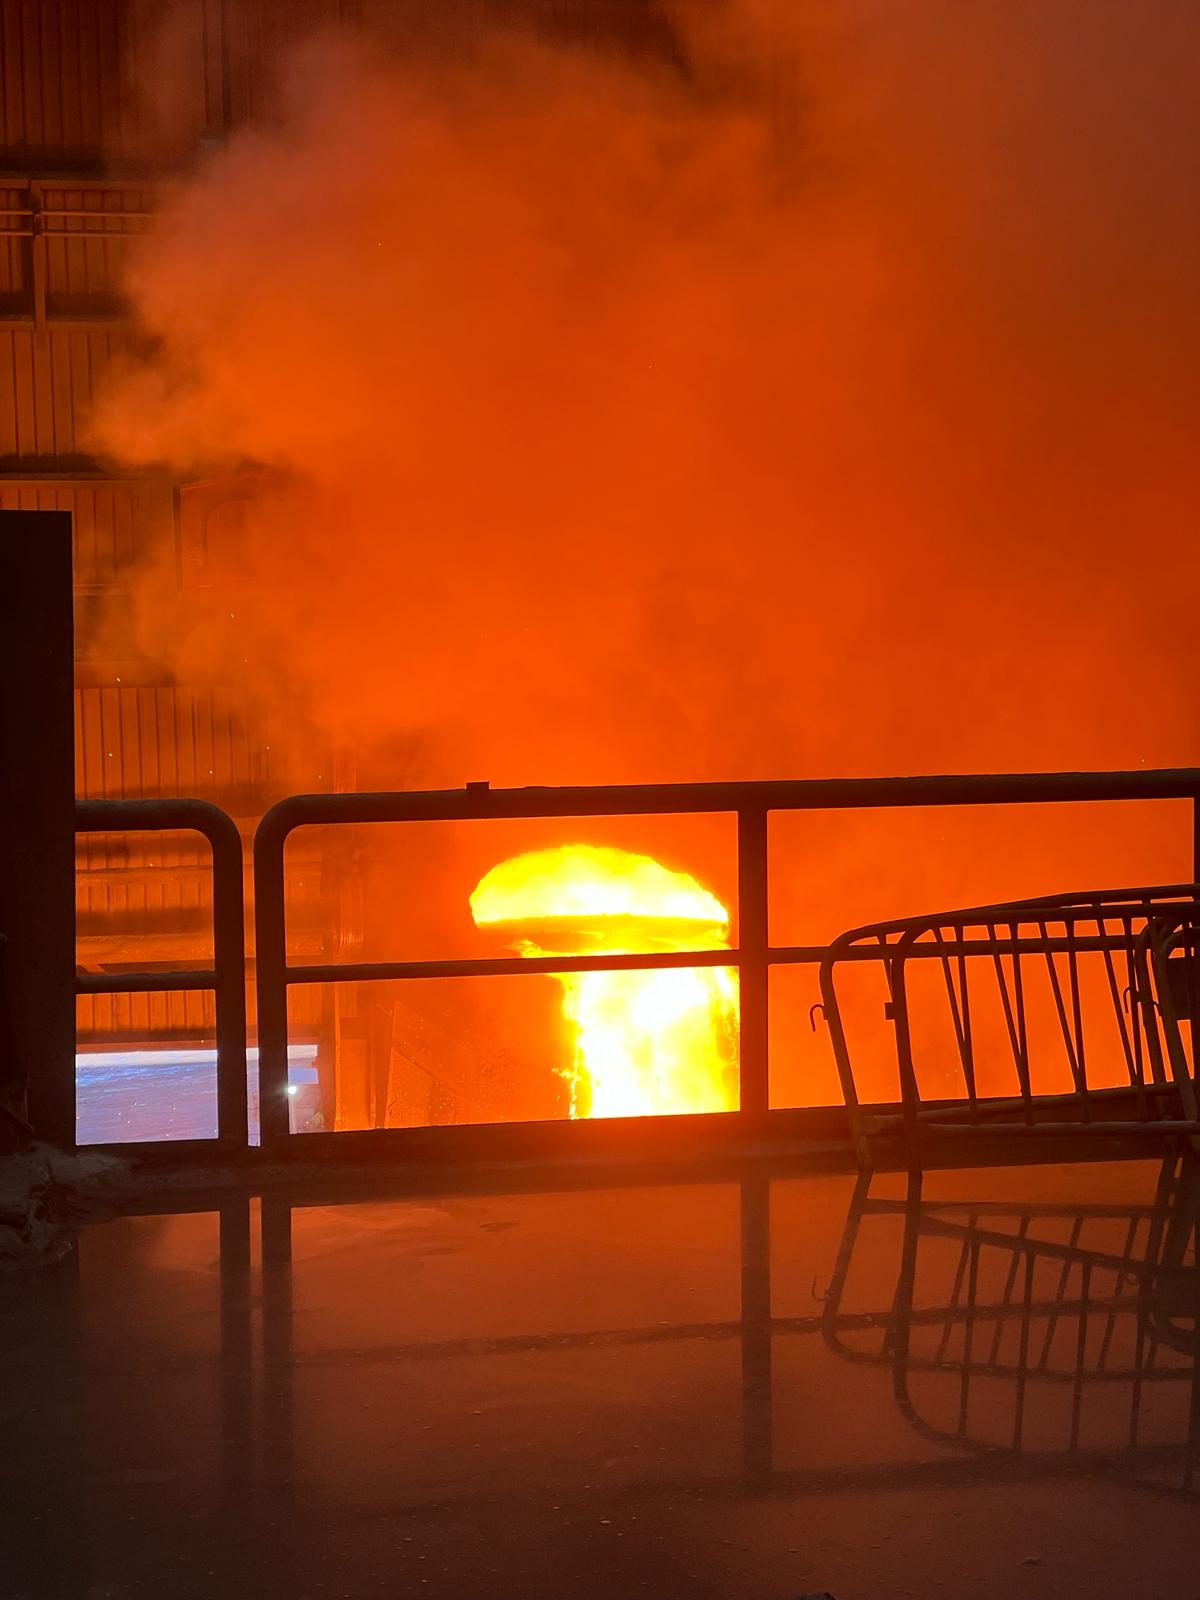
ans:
(813, 391)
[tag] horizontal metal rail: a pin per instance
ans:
(168, 982)
(478, 801)
(776, 955)
(506, 966)
(753, 955)
(227, 975)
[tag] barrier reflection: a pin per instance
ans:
(1034, 1336)
(267, 1372)
(1062, 1333)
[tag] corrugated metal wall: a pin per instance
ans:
(115, 522)
(87, 135)
(101, 101)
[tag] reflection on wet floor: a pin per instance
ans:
(1042, 1329)
(979, 1385)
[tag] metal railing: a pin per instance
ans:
(1086, 959)
(227, 975)
(752, 956)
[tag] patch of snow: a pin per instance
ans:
(45, 1194)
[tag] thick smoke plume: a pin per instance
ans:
(813, 392)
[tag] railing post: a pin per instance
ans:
(754, 971)
(270, 964)
(229, 978)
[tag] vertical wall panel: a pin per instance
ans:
(91, 79)
(49, 382)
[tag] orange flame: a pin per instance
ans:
(645, 1042)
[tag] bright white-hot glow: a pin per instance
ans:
(645, 1042)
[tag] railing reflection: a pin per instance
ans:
(1032, 1339)
(997, 1305)
(1039, 1329)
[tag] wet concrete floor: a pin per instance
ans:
(756, 1388)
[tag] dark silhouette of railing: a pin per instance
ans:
(1063, 990)
(227, 975)
(1158, 1076)
(753, 955)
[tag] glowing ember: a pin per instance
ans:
(645, 1042)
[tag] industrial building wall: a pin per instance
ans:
(102, 104)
